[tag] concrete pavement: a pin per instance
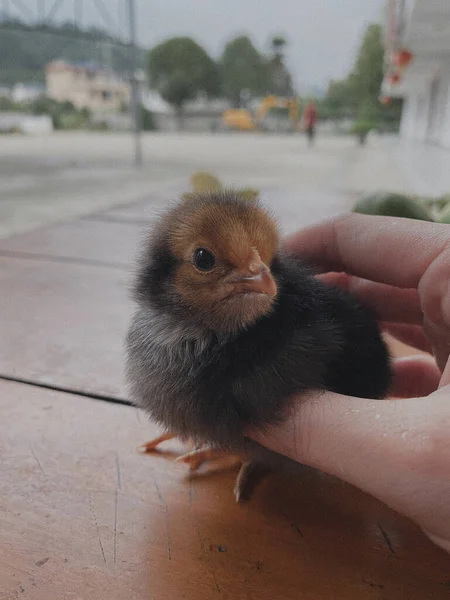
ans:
(54, 178)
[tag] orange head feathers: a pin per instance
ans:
(212, 255)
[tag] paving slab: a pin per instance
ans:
(142, 211)
(52, 178)
(86, 516)
(301, 206)
(63, 324)
(293, 207)
(109, 243)
(113, 236)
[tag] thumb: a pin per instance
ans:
(395, 450)
(364, 442)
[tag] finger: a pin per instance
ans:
(412, 335)
(445, 376)
(387, 448)
(384, 249)
(330, 431)
(414, 376)
(389, 303)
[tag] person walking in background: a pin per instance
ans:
(310, 121)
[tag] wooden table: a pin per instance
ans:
(85, 516)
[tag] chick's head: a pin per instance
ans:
(210, 262)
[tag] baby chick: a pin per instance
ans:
(229, 330)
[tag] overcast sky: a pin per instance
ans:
(323, 35)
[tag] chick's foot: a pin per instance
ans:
(250, 474)
(150, 446)
(220, 458)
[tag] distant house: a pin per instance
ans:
(418, 67)
(27, 92)
(87, 85)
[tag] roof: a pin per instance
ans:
(89, 66)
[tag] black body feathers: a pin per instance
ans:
(209, 387)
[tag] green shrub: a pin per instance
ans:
(392, 205)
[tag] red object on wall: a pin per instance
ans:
(394, 78)
(385, 100)
(402, 58)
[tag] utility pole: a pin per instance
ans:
(135, 100)
(41, 11)
(78, 13)
(6, 9)
(119, 18)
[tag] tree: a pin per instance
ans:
(278, 43)
(280, 78)
(180, 69)
(358, 93)
(367, 77)
(368, 70)
(340, 100)
(242, 69)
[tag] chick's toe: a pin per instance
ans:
(152, 444)
(221, 459)
(250, 474)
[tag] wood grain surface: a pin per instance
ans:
(85, 516)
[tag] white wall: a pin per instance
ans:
(36, 125)
(445, 129)
(426, 112)
(414, 123)
(407, 123)
(29, 124)
(437, 108)
(422, 113)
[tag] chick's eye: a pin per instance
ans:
(204, 260)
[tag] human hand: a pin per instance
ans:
(396, 450)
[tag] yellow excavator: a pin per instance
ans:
(272, 114)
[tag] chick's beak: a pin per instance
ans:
(257, 279)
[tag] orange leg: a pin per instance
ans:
(250, 474)
(149, 446)
(197, 458)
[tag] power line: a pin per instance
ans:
(111, 14)
(118, 17)
(104, 13)
(54, 9)
(23, 9)
(6, 9)
(78, 12)
(41, 10)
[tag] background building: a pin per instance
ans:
(86, 85)
(418, 67)
(27, 92)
